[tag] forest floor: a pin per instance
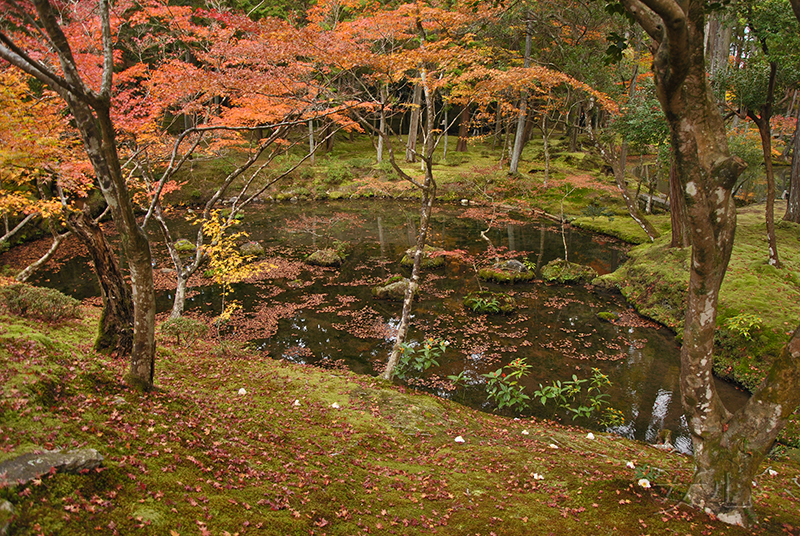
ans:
(308, 451)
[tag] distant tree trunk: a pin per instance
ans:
(413, 127)
(519, 137)
(311, 145)
(330, 134)
(382, 124)
(463, 130)
(498, 126)
(728, 447)
(762, 121)
(793, 202)
(677, 210)
(115, 332)
(574, 127)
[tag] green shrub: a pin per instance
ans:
(46, 304)
(188, 329)
(486, 302)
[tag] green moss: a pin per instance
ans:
(560, 271)
(505, 276)
(487, 302)
(431, 258)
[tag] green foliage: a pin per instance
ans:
(744, 324)
(582, 397)
(503, 388)
(416, 360)
(45, 304)
(485, 302)
(184, 328)
(560, 271)
(594, 210)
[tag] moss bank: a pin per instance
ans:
(309, 451)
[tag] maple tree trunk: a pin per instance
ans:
(413, 127)
(762, 121)
(793, 202)
(463, 130)
(428, 188)
(115, 332)
(728, 447)
(520, 136)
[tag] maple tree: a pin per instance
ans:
(70, 49)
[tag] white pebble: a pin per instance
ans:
(590, 436)
(460, 439)
(242, 391)
(335, 405)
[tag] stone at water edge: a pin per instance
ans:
(27, 467)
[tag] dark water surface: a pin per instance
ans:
(329, 317)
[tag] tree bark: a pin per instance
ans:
(677, 210)
(728, 448)
(793, 202)
(115, 332)
(463, 130)
(413, 126)
(519, 137)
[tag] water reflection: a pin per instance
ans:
(556, 329)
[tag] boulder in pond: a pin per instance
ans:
(184, 246)
(561, 271)
(27, 467)
(392, 289)
(509, 271)
(431, 258)
(325, 257)
(252, 248)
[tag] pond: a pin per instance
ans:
(328, 317)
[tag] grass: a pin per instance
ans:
(196, 457)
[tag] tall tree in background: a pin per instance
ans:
(33, 39)
(728, 447)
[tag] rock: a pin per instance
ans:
(394, 289)
(325, 257)
(27, 467)
(252, 248)
(567, 272)
(511, 265)
(431, 258)
(6, 516)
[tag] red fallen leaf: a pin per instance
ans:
(321, 523)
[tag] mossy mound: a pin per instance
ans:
(561, 271)
(431, 258)
(393, 288)
(510, 271)
(252, 249)
(607, 316)
(485, 302)
(328, 257)
(184, 246)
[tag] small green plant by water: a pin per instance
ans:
(503, 388)
(744, 324)
(415, 360)
(582, 397)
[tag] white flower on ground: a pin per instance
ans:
(553, 446)
(296, 403)
(644, 483)
(590, 436)
(335, 405)
(630, 465)
(537, 476)
(772, 472)
(525, 432)
(242, 391)
(460, 439)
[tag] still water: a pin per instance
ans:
(328, 317)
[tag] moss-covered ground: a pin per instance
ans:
(311, 451)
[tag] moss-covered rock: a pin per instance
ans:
(431, 258)
(561, 271)
(328, 257)
(393, 288)
(608, 316)
(252, 249)
(510, 271)
(184, 246)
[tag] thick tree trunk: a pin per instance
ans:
(463, 130)
(793, 202)
(728, 448)
(115, 332)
